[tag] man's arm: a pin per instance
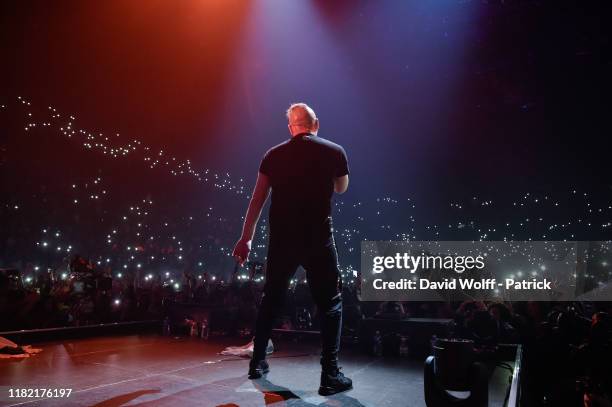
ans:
(341, 184)
(258, 199)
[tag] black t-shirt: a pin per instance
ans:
(301, 172)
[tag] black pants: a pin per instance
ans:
(320, 260)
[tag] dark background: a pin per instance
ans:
(437, 103)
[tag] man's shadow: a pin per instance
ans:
(274, 393)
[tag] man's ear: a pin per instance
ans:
(316, 125)
(289, 127)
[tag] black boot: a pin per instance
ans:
(333, 381)
(258, 369)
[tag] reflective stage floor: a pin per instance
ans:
(154, 370)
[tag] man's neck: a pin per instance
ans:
(303, 133)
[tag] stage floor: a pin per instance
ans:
(153, 370)
(165, 371)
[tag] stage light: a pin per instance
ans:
(64, 275)
(117, 301)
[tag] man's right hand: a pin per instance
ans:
(242, 250)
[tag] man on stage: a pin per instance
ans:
(303, 173)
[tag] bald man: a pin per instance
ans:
(303, 173)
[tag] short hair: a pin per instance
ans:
(307, 119)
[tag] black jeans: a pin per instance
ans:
(320, 260)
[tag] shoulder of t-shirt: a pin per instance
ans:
(277, 147)
(328, 143)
